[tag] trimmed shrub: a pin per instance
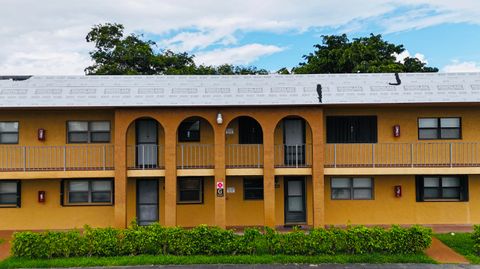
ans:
(476, 239)
(203, 240)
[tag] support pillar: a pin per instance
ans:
(220, 176)
(120, 162)
(268, 175)
(170, 176)
(318, 166)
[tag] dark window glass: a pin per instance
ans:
(189, 131)
(88, 131)
(190, 190)
(439, 128)
(431, 188)
(351, 188)
(352, 129)
(249, 131)
(253, 188)
(10, 193)
(89, 191)
(9, 132)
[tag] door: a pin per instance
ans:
(146, 143)
(295, 209)
(294, 139)
(147, 201)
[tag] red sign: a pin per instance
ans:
(220, 185)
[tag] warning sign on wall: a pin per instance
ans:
(220, 188)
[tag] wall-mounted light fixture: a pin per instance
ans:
(219, 118)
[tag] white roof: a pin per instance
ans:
(250, 90)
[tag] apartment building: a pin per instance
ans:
(237, 151)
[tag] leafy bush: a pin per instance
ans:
(203, 240)
(476, 239)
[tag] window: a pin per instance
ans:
(439, 128)
(249, 131)
(438, 188)
(10, 193)
(9, 132)
(253, 188)
(352, 188)
(189, 131)
(352, 129)
(88, 131)
(190, 190)
(89, 191)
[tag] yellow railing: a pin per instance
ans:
(403, 155)
(293, 156)
(56, 158)
(145, 156)
(244, 155)
(195, 156)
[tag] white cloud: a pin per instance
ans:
(48, 36)
(242, 55)
(457, 66)
(405, 54)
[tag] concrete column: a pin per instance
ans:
(268, 175)
(170, 175)
(318, 176)
(120, 161)
(220, 176)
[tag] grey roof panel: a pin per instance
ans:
(138, 91)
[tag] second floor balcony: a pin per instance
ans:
(403, 155)
(56, 158)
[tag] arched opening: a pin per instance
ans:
(293, 143)
(145, 150)
(195, 144)
(145, 140)
(195, 193)
(293, 149)
(244, 143)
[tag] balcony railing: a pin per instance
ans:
(293, 156)
(244, 156)
(403, 155)
(146, 156)
(56, 158)
(195, 156)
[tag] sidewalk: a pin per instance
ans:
(5, 246)
(443, 254)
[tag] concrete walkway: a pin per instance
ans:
(5, 246)
(443, 254)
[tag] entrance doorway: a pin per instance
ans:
(295, 208)
(147, 201)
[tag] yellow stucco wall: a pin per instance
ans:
(407, 118)
(385, 208)
(242, 212)
(54, 122)
(51, 215)
(189, 215)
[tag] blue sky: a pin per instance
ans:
(48, 37)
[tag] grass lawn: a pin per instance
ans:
(461, 243)
(245, 259)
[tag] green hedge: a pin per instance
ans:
(203, 240)
(476, 239)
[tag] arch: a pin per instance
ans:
(244, 149)
(145, 140)
(293, 139)
(195, 141)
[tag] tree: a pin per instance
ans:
(116, 54)
(337, 54)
